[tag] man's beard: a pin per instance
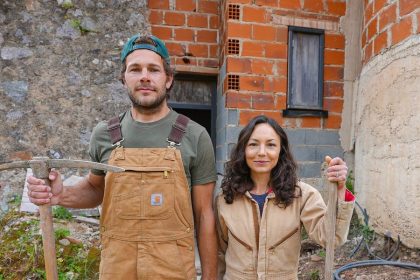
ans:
(138, 104)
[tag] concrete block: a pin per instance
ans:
(304, 153)
(321, 137)
(309, 170)
(295, 136)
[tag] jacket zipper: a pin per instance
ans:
(284, 239)
(240, 241)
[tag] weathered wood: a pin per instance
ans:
(330, 220)
(40, 169)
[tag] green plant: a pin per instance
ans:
(60, 212)
(322, 253)
(75, 23)
(314, 275)
(350, 182)
(67, 5)
(367, 233)
(61, 233)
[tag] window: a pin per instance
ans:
(305, 72)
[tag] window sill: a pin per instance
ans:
(305, 113)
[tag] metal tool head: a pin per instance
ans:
(60, 163)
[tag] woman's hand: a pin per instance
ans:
(337, 172)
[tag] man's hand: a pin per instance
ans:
(39, 193)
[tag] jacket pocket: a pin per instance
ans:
(283, 255)
(239, 255)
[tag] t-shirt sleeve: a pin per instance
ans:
(96, 149)
(203, 168)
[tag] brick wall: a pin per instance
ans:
(387, 23)
(190, 30)
(254, 52)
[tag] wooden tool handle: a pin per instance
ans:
(330, 219)
(41, 171)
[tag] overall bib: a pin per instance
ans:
(147, 225)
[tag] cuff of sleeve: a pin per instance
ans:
(348, 197)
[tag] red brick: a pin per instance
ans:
(238, 30)
(208, 36)
(401, 30)
(176, 19)
(281, 68)
(333, 105)
(310, 122)
(380, 42)
(238, 100)
(282, 35)
(175, 48)
(378, 5)
(190, 61)
(264, 67)
(372, 29)
(334, 41)
(333, 121)
(281, 102)
(276, 85)
(333, 89)
(245, 116)
(156, 17)
(264, 32)
(197, 20)
(333, 73)
(334, 57)
(198, 50)
(275, 50)
(368, 13)
(210, 63)
(313, 5)
(214, 51)
(407, 6)
(238, 65)
(251, 83)
(185, 5)
(262, 102)
(253, 14)
(184, 34)
(252, 49)
(267, 3)
(164, 33)
(214, 22)
(336, 8)
(290, 4)
(158, 4)
(240, 1)
(387, 16)
(211, 7)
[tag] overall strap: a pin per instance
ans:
(178, 130)
(114, 128)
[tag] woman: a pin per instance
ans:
(263, 205)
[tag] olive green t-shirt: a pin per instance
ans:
(196, 146)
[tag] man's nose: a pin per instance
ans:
(144, 74)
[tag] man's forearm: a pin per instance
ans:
(86, 194)
(207, 245)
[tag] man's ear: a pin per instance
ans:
(169, 81)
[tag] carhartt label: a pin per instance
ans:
(156, 199)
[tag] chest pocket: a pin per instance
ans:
(144, 193)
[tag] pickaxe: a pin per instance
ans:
(41, 167)
(330, 220)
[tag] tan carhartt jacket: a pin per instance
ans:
(251, 247)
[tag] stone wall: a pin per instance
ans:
(59, 66)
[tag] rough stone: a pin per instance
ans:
(68, 31)
(9, 53)
(16, 90)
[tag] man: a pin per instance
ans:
(147, 225)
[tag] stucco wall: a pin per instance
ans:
(387, 153)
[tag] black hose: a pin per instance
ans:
(373, 263)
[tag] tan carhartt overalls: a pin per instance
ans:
(146, 221)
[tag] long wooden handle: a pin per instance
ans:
(48, 242)
(331, 218)
(41, 170)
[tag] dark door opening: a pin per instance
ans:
(195, 97)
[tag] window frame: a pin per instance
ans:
(291, 109)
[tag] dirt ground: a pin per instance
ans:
(311, 264)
